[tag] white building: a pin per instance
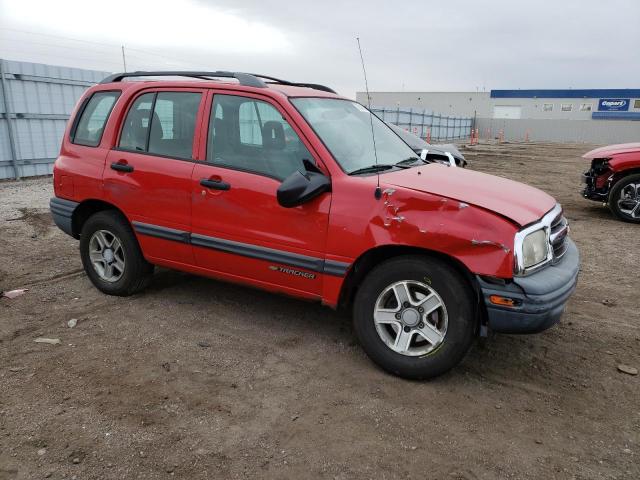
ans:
(594, 116)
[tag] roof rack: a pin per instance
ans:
(246, 79)
(315, 86)
(243, 78)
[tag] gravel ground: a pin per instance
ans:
(198, 379)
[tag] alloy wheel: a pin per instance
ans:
(410, 318)
(629, 200)
(107, 255)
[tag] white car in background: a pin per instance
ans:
(434, 153)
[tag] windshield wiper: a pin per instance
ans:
(409, 161)
(371, 169)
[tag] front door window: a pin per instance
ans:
(251, 135)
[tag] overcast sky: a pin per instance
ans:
(408, 45)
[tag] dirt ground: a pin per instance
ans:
(199, 379)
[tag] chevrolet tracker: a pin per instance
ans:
(292, 188)
(614, 179)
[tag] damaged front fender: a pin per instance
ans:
(480, 239)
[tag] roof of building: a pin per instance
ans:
(569, 93)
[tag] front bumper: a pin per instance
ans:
(540, 297)
(591, 190)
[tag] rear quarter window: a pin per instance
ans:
(90, 125)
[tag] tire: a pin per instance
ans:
(455, 320)
(130, 271)
(621, 196)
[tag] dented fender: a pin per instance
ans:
(480, 239)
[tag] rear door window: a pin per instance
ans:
(136, 125)
(90, 126)
(173, 124)
(162, 123)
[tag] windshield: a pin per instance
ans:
(415, 142)
(344, 127)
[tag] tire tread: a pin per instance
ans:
(615, 191)
(450, 285)
(138, 272)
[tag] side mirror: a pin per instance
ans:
(299, 188)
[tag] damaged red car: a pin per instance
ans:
(614, 179)
(292, 188)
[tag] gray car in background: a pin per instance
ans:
(435, 153)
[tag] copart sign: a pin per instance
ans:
(614, 104)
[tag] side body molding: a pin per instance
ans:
(314, 264)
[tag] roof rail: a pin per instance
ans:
(315, 86)
(246, 79)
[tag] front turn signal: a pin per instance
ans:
(503, 301)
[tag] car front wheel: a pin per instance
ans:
(414, 316)
(624, 200)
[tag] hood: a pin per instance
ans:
(519, 202)
(610, 150)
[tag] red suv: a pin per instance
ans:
(292, 188)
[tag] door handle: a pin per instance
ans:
(215, 184)
(121, 167)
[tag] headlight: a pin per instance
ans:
(535, 248)
(531, 247)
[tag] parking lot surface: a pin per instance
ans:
(195, 378)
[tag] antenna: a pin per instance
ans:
(124, 60)
(378, 192)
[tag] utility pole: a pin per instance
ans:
(124, 60)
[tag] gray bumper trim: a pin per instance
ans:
(542, 296)
(62, 213)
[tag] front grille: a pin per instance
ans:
(558, 236)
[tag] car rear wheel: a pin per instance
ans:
(624, 200)
(111, 256)
(414, 316)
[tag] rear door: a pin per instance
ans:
(148, 174)
(238, 226)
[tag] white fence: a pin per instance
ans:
(425, 124)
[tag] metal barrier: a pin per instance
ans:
(35, 103)
(427, 125)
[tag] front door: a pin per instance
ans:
(238, 227)
(148, 174)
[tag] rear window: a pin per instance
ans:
(88, 131)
